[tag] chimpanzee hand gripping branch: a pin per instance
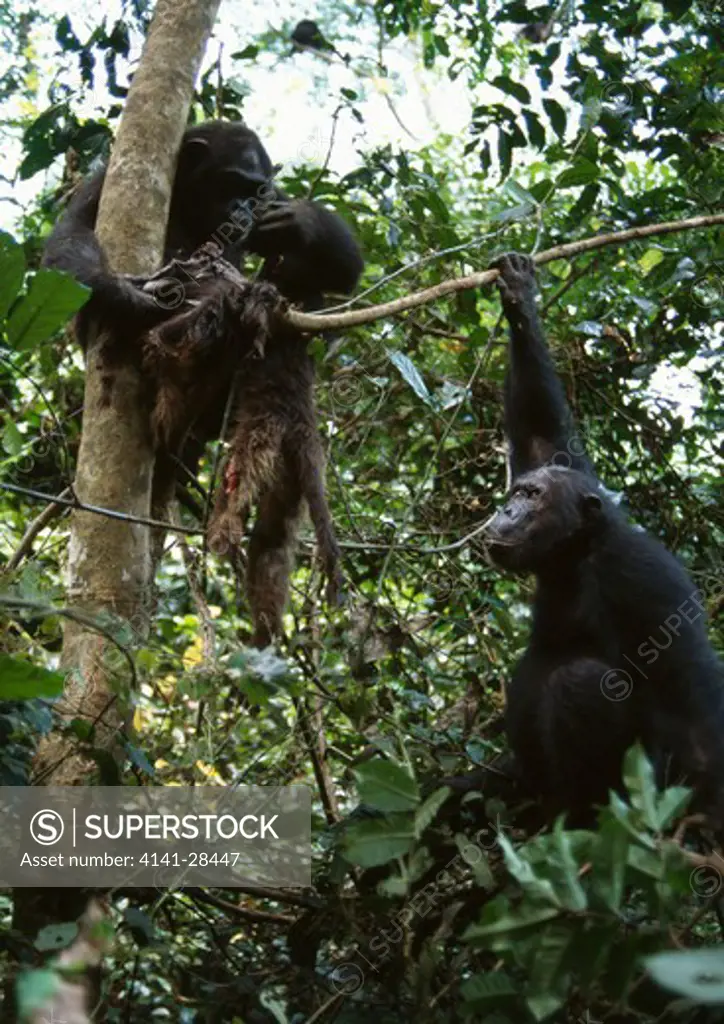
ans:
(587, 687)
(197, 360)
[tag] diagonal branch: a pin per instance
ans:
(336, 321)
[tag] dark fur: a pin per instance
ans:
(223, 193)
(588, 685)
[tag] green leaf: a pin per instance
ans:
(411, 374)
(591, 328)
(582, 172)
(386, 786)
(609, 861)
(427, 812)
(486, 991)
(650, 259)
(378, 840)
(12, 272)
(248, 53)
(696, 974)
(13, 440)
(567, 883)
(499, 921)
(671, 804)
(21, 680)
(515, 89)
(141, 925)
(513, 213)
(34, 990)
(587, 956)
(522, 871)
(505, 152)
(536, 131)
(56, 936)
(476, 859)
(548, 979)
(52, 299)
(585, 203)
(639, 779)
(520, 194)
(556, 116)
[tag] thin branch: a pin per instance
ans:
(315, 748)
(110, 513)
(244, 913)
(337, 321)
(48, 514)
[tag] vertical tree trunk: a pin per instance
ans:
(109, 562)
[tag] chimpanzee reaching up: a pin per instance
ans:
(593, 680)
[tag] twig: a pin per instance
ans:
(336, 321)
(245, 913)
(292, 899)
(110, 513)
(331, 1004)
(323, 169)
(321, 773)
(48, 514)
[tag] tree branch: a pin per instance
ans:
(569, 250)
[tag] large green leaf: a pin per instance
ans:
(386, 786)
(556, 116)
(21, 680)
(582, 172)
(52, 299)
(377, 841)
(411, 374)
(696, 974)
(486, 991)
(500, 921)
(12, 271)
(427, 812)
(640, 781)
(34, 990)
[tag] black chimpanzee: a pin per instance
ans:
(223, 191)
(223, 194)
(618, 650)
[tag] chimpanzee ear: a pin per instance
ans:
(193, 153)
(591, 504)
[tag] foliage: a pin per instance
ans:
(426, 905)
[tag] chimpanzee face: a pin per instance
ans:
(222, 167)
(549, 513)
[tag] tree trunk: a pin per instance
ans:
(109, 563)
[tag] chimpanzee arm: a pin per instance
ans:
(538, 422)
(73, 246)
(310, 250)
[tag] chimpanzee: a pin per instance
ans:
(618, 650)
(223, 191)
(223, 194)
